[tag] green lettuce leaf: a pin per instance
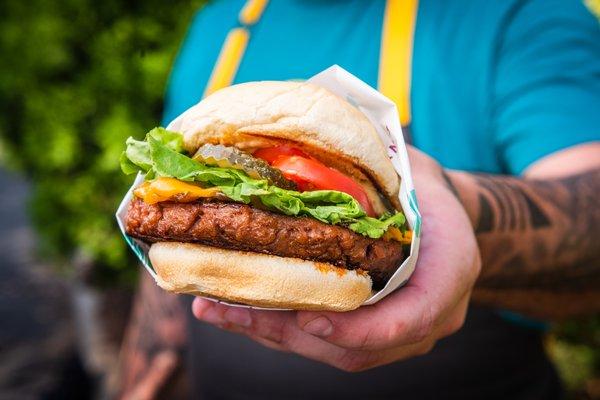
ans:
(170, 139)
(375, 228)
(161, 154)
(137, 155)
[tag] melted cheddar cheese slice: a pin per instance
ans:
(165, 189)
(396, 234)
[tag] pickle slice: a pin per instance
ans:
(230, 157)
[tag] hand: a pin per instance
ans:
(406, 323)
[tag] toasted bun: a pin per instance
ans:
(257, 279)
(324, 124)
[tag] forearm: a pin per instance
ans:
(539, 240)
(154, 342)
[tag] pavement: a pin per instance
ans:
(38, 357)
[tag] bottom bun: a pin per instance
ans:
(257, 279)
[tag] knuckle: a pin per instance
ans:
(285, 336)
(456, 325)
(425, 326)
(378, 336)
(365, 340)
(275, 333)
(426, 349)
(352, 361)
(394, 331)
(358, 361)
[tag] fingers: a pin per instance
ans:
(279, 330)
(402, 318)
(275, 329)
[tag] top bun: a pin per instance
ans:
(254, 113)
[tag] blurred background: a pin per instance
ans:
(77, 77)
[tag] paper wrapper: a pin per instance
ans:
(383, 114)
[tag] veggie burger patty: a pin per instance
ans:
(243, 227)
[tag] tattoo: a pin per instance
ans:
(485, 224)
(539, 234)
(450, 185)
(157, 328)
(516, 210)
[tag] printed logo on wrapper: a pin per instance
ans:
(383, 114)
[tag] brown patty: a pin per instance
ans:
(242, 227)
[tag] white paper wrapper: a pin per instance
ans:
(383, 114)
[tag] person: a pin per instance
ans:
(505, 132)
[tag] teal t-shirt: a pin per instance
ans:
(496, 85)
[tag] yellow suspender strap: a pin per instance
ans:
(395, 58)
(233, 49)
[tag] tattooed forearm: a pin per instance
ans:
(535, 234)
(539, 241)
(154, 342)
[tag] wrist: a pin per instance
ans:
(434, 180)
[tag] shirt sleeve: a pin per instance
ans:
(546, 87)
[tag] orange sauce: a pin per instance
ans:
(325, 268)
(396, 234)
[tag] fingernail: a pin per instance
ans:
(238, 316)
(320, 326)
(200, 306)
(207, 311)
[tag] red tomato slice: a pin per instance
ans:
(307, 172)
(270, 154)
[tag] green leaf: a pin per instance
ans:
(375, 228)
(99, 76)
(127, 166)
(167, 162)
(138, 153)
(170, 139)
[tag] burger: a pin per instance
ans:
(272, 194)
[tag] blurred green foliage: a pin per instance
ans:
(77, 77)
(575, 348)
